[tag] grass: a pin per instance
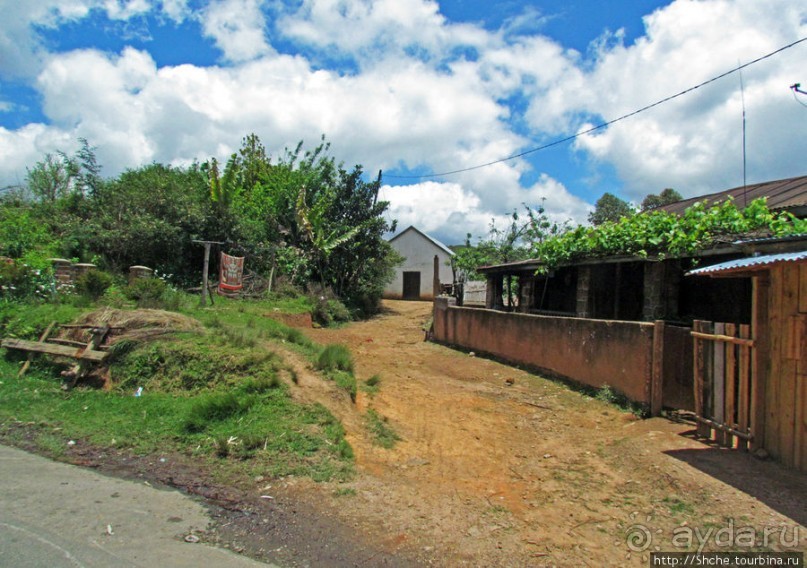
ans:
(372, 385)
(336, 362)
(382, 433)
(216, 395)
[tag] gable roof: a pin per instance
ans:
(782, 194)
(434, 241)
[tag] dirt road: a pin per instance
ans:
(500, 467)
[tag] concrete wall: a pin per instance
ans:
(590, 352)
(419, 253)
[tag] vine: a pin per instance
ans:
(661, 233)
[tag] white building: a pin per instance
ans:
(414, 279)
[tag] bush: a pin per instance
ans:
(19, 281)
(147, 292)
(335, 358)
(327, 308)
(93, 284)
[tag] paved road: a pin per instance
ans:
(56, 515)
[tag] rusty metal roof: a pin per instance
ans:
(750, 264)
(782, 194)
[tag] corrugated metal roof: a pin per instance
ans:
(781, 194)
(750, 264)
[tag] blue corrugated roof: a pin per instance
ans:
(752, 262)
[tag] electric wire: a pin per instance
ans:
(604, 124)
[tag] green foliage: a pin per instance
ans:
(662, 233)
(505, 245)
(21, 282)
(22, 232)
(94, 284)
(667, 196)
(609, 208)
(147, 292)
(327, 309)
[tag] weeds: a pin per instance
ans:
(383, 434)
(335, 358)
(372, 385)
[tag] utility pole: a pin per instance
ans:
(206, 267)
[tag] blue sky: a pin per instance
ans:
(417, 87)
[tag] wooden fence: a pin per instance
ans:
(723, 385)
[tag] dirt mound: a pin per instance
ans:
(134, 325)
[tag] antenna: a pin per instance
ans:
(742, 97)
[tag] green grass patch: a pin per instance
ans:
(372, 385)
(382, 433)
(335, 358)
(336, 362)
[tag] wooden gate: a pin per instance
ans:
(723, 383)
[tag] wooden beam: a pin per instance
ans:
(723, 338)
(30, 357)
(52, 349)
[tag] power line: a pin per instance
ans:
(604, 124)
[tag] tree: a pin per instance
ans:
(52, 178)
(667, 196)
(609, 208)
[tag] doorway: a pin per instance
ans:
(411, 285)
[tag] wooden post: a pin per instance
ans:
(731, 383)
(719, 382)
(436, 278)
(759, 358)
(206, 267)
(700, 375)
(657, 377)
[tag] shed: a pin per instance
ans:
(778, 397)
(415, 279)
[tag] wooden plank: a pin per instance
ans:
(719, 381)
(730, 416)
(787, 383)
(803, 288)
(52, 349)
(723, 428)
(30, 357)
(794, 333)
(775, 355)
(699, 367)
(657, 376)
(800, 437)
(744, 386)
(722, 337)
(760, 357)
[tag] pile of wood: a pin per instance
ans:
(88, 339)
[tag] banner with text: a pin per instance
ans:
(231, 278)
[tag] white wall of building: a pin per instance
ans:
(419, 251)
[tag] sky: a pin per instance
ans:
(419, 88)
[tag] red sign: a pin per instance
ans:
(231, 278)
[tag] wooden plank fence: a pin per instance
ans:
(723, 382)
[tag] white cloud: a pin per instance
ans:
(238, 28)
(426, 93)
(694, 143)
